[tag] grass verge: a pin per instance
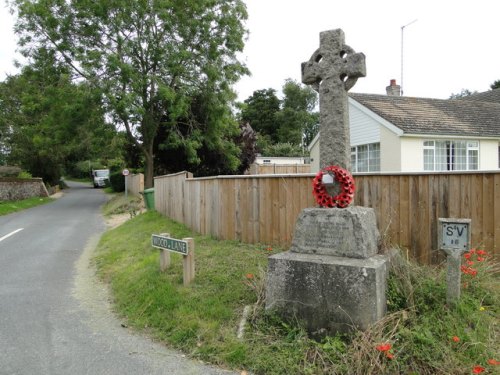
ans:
(119, 204)
(8, 207)
(202, 319)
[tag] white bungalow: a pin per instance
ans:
(392, 133)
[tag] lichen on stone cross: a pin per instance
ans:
(332, 70)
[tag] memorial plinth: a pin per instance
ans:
(332, 278)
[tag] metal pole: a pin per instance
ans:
(402, 30)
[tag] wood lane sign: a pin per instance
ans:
(170, 244)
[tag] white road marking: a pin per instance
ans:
(10, 234)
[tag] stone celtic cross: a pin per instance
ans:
(332, 70)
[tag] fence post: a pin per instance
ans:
(164, 256)
(188, 262)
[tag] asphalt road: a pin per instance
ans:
(55, 317)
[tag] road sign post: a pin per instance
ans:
(185, 247)
(125, 173)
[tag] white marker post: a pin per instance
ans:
(454, 237)
(184, 247)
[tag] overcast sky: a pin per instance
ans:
(453, 44)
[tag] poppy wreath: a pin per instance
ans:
(347, 188)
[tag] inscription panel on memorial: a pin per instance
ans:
(336, 232)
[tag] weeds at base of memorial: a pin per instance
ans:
(419, 335)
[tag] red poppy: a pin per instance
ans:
(481, 252)
(493, 362)
(456, 338)
(480, 259)
(467, 256)
(477, 369)
(383, 347)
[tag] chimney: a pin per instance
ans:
(393, 89)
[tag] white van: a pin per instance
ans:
(100, 177)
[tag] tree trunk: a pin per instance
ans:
(148, 167)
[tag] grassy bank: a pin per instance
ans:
(7, 207)
(420, 334)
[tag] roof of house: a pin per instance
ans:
(492, 96)
(475, 115)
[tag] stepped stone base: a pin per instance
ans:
(318, 284)
(329, 294)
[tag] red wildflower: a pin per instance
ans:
(456, 338)
(249, 275)
(480, 259)
(269, 248)
(477, 369)
(467, 256)
(472, 251)
(470, 263)
(389, 355)
(481, 253)
(468, 270)
(383, 347)
(493, 362)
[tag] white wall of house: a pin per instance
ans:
(314, 154)
(363, 129)
(412, 154)
(488, 154)
(390, 151)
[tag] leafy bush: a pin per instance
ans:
(281, 150)
(24, 174)
(117, 181)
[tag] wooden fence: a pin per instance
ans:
(135, 183)
(279, 168)
(264, 208)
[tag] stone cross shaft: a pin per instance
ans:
(332, 70)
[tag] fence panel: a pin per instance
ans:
(264, 208)
(279, 168)
(135, 183)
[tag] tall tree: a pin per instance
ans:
(49, 121)
(260, 110)
(297, 119)
(495, 85)
(291, 121)
(213, 151)
(149, 56)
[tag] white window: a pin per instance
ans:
(457, 155)
(366, 158)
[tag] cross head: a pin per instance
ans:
(332, 70)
